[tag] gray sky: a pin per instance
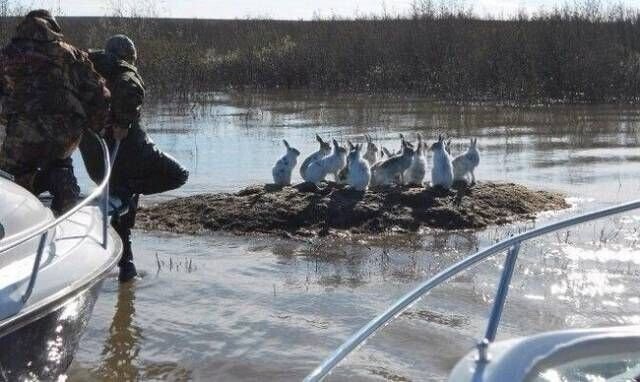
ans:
(278, 9)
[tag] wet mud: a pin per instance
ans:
(307, 211)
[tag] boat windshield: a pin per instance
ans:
(605, 368)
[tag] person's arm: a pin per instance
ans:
(127, 99)
(93, 93)
(95, 96)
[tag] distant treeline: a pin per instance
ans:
(570, 54)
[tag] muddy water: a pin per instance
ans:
(218, 307)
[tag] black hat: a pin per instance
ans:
(121, 47)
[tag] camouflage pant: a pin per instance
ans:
(32, 142)
(36, 151)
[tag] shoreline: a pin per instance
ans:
(211, 96)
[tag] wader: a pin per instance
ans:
(140, 168)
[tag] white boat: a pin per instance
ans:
(51, 272)
(602, 354)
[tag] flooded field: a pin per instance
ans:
(219, 307)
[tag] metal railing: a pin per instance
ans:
(101, 191)
(512, 245)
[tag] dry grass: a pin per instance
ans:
(570, 54)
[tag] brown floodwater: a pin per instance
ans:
(219, 307)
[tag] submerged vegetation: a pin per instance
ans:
(585, 52)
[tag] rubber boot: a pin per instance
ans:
(127, 268)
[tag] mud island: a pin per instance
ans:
(306, 211)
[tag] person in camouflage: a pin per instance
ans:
(50, 95)
(140, 167)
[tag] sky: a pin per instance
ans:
(276, 9)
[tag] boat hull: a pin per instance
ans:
(42, 347)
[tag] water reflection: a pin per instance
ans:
(44, 348)
(622, 366)
(267, 309)
(232, 141)
(122, 346)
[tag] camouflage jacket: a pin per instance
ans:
(126, 87)
(42, 75)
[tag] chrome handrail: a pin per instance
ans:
(7, 176)
(102, 190)
(512, 244)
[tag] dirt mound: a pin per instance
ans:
(305, 210)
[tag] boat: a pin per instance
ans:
(598, 354)
(51, 273)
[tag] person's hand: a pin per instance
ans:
(120, 134)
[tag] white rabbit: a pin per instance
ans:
(447, 146)
(442, 170)
(416, 172)
(343, 175)
(385, 154)
(466, 163)
(284, 166)
(387, 171)
(391, 153)
(331, 164)
(402, 140)
(323, 151)
(388, 153)
(371, 155)
(359, 173)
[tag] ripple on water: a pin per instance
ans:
(224, 308)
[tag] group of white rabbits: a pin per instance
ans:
(377, 167)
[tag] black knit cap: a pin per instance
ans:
(46, 15)
(121, 47)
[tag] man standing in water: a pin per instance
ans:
(49, 95)
(140, 167)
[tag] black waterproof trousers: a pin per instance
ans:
(140, 168)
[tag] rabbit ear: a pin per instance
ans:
(474, 141)
(419, 138)
(285, 143)
(351, 146)
(335, 143)
(319, 139)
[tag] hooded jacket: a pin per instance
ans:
(126, 86)
(43, 75)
